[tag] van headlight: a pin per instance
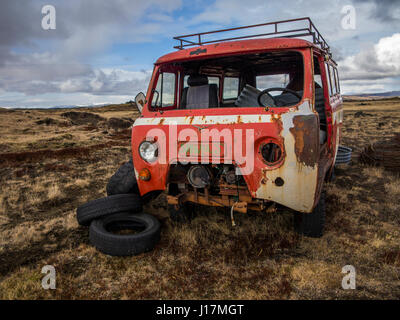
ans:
(148, 151)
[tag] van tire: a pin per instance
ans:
(123, 180)
(105, 206)
(311, 224)
(331, 175)
(125, 244)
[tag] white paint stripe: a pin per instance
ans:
(197, 120)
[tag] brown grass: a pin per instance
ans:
(46, 171)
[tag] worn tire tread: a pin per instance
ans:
(312, 224)
(123, 180)
(125, 245)
(105, 206)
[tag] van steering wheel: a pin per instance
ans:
(270, 100)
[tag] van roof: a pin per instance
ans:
(284, 34)
(234, 47)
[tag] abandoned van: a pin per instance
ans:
(242, 123)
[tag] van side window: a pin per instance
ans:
(231, 88)
(333, 82)
(319, 99)
(328, 80)
(317, 74)
(318, 80)
(164, 94)
(337, 81)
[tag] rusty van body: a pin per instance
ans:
(213, 100)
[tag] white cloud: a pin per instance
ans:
(56, 62)
(59, 62)
(381, 60)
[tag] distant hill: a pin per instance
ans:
(381, 94)
(73, 106)
(83, 106)
(390, 95)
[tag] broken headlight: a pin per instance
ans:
(148, 151)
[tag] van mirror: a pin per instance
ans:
(140, 100)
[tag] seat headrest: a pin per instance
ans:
(195, 80)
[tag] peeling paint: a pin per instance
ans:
(201, 120)
(297, 169)
(305, 132)
(300, 179)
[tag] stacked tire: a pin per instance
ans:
(120, 211)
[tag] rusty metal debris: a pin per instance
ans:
(384, 153)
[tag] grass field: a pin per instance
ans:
(52, 161)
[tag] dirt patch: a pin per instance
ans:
(116, 123)
(391, 257)
(12, 159)
(25, 170)
(121, 135)
(15, 257)
(362, 113)
(82, 118)
(47, 121)
(4, 147)
(56, 167)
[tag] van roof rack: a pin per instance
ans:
(309, 29)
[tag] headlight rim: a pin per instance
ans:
(155, 156)
(279, 161)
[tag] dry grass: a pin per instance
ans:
(261, 258)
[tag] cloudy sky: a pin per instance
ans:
(103, 51)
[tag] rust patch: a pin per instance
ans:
(198, 51)
(305, 133)
(161, 121)
(239, 119)
(277, 119)
(191, 119)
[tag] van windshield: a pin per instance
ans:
(274, 79)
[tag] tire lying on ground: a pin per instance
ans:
(105, 206)
(102, 237)
(123, 180)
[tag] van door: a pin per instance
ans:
(335, 108)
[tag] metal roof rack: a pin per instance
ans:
(309, 29)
